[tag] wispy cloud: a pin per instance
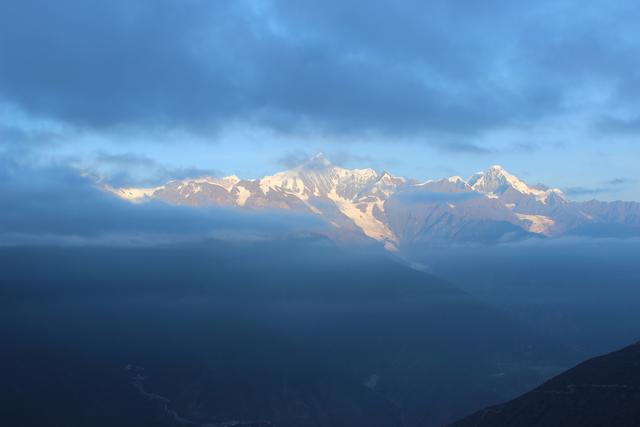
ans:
(621, 126)
(293, 158)
(124, 159)
(618, 181)
(609, 186)
(463, 148)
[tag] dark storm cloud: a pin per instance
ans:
(334, 67)
(55, 202)
(106, 63)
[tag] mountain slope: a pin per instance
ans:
(294, 333)
(490, 206)
(604, 391)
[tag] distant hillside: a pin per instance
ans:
(288, 334)
(603, 391)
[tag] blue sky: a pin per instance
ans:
(141, 91)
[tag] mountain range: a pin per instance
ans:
(489, 206)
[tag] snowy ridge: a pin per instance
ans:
(133, 194)
(496, 180)
(540, 224)
(391, 209)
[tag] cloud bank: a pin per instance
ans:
(55, 204)
(439, 71)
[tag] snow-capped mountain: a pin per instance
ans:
(490, 206)
(496, 182)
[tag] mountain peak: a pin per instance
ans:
(499, 172)
(455, 179)
(385, 175)
(494, 177)
(388, 180)
(495, 181)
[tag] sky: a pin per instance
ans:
(142, 91)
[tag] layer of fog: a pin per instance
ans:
(583, 292)
(289, 331)
(56, 204)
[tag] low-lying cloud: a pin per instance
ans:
(55, 204)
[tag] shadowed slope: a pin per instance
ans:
(293, 333)
(603, 391)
